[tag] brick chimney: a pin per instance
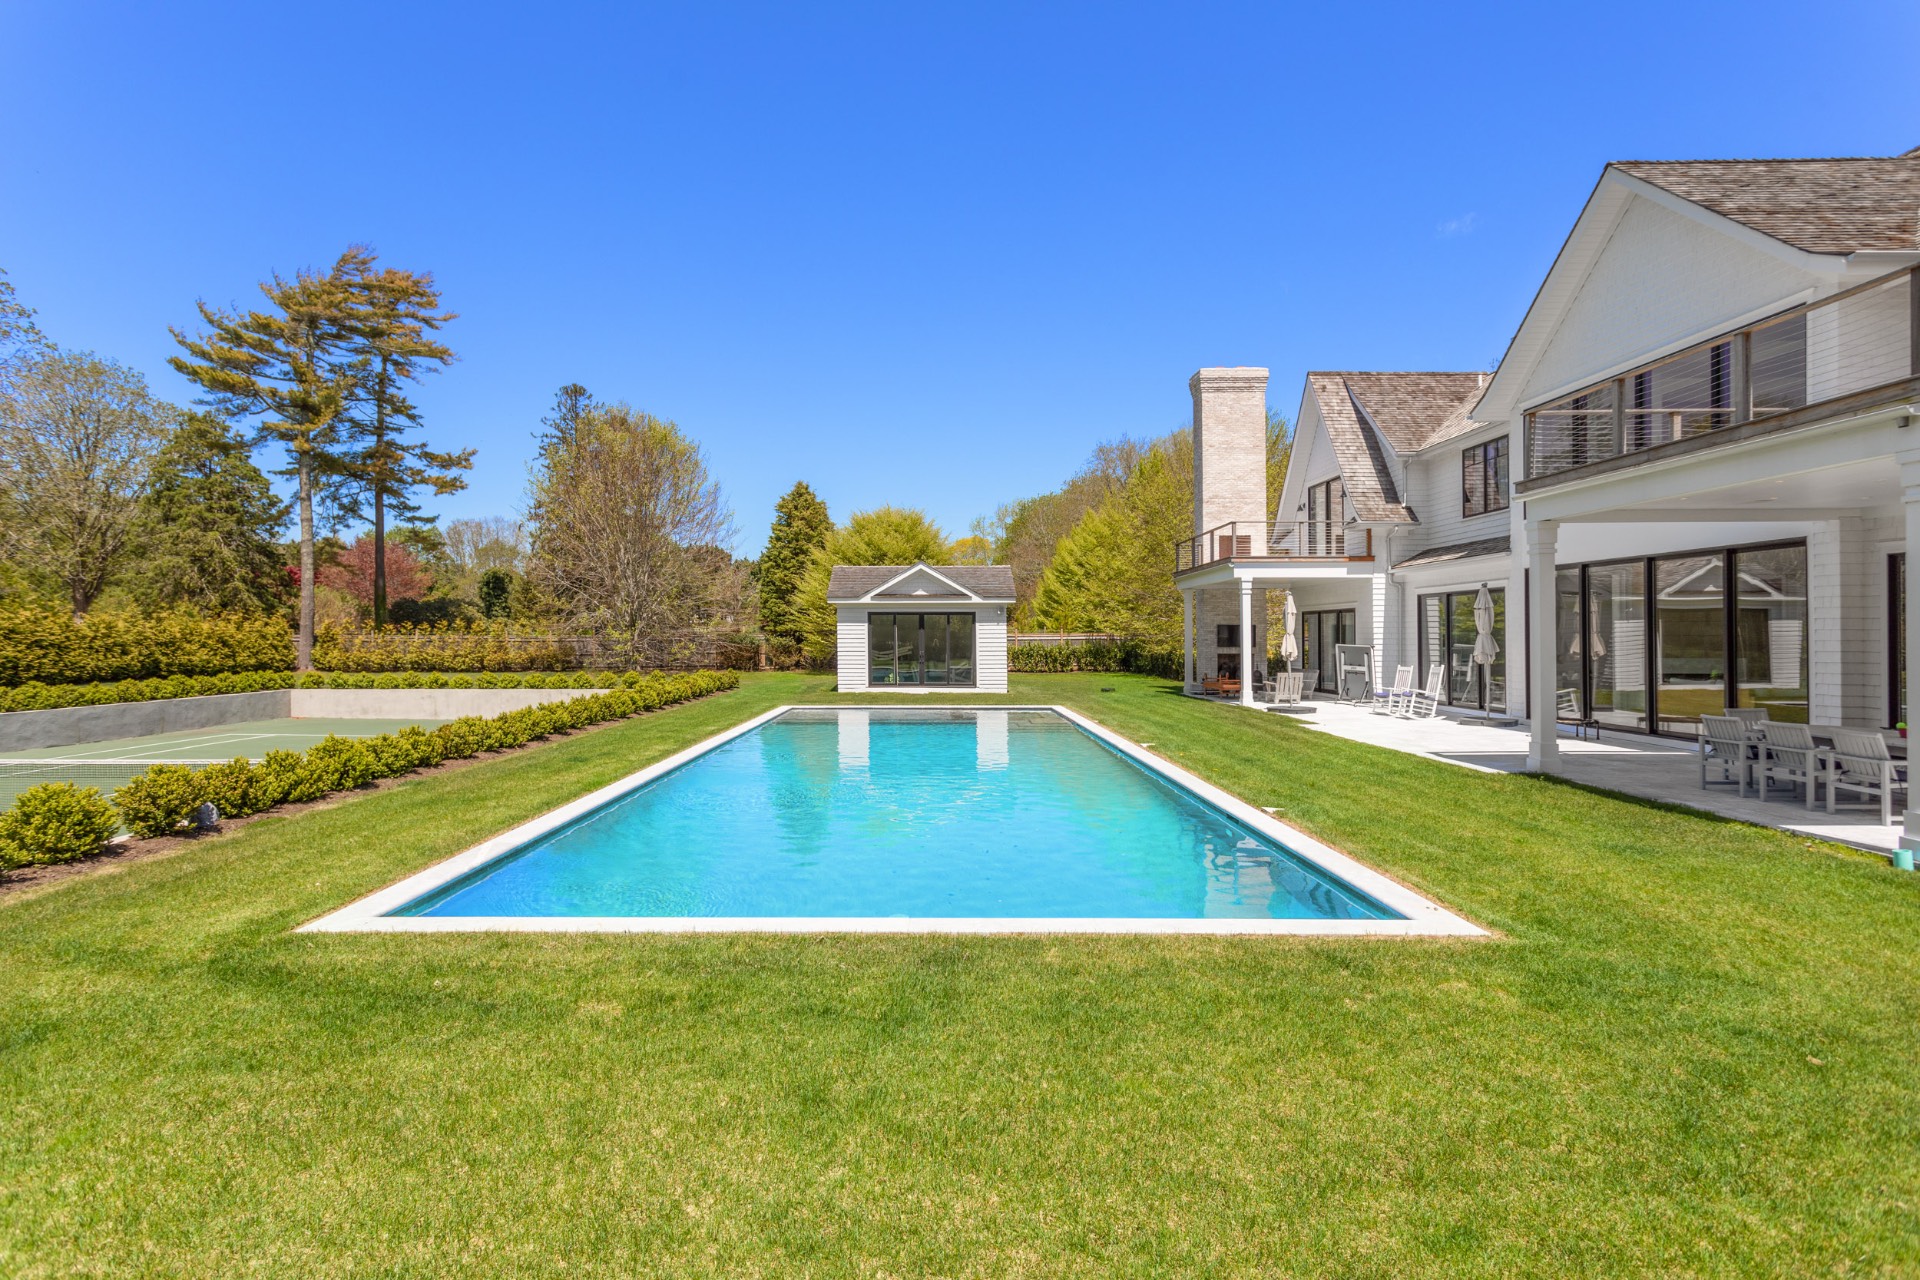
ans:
(1230, 449)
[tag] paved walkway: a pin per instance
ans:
(1653, 768)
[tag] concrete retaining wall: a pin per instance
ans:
(67, 726)
(422, 704)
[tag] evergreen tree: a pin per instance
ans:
(294, 369)
(800, 526)
(1113, 572)
(395, 317)
(212, 525)
(496, 593)
(885, 535)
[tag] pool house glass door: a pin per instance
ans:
(920, 648)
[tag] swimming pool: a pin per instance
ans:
(881, 818)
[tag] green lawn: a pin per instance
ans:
(1694, 1050)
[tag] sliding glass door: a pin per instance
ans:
(1447, 636)
(1321, 631)
(1656, 643)
(920, 648)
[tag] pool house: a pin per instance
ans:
(922, 628)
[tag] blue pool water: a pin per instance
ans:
(897, 812)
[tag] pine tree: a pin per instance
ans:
(212, 524)
(800, 526)
(294, 369)
(395, 316)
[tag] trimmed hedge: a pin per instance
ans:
(162, 799)
(51, 647)
(49, 697)
(446, 646)
(55, 822)
(1126, 656)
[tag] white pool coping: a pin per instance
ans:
(1424, 918)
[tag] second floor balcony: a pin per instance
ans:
(1273, 540)
(1829, 351)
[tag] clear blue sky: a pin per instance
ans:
(911, 255)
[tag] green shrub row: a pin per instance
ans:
(50, 646)
(453, 646)
(57, 822)
(1129, 656)
(49, 697)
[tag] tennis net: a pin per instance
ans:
(107, 775)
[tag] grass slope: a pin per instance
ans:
(1693, 1052)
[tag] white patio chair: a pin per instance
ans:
(1388, 701)
(1861, 763)
(1288, 686)
(1424, 704)
(1788, 754)
(1726, 749)
(1566, 710)
(1746, 715)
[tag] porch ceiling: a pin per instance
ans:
(1809, 495)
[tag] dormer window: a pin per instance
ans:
(1483, 477)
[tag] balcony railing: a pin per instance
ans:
(1272, 540)
(1853, 342)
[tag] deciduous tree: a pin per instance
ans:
(624, 519)
(78, 435)
(885, 535)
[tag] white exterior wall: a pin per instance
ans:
(989, 646)
(1434, 490)
(1663, 280)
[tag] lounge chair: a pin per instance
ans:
(1859, 762)
(1287, 687)
(1789, 754)
(1726, 750)
(1424, 704)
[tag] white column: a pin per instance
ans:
(1910, 500)
(1246, 642)
(1543, 752)
(1186, 637)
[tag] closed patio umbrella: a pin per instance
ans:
(1486, 650)
(1290, 642)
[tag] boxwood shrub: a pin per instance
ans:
(55, 822)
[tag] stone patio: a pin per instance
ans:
(1655, 769)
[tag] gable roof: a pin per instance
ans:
(859, 583)
(1844, 205)
(1367, 413)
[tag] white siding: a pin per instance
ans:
(853, 648)
(990, 649)
(1434, 492)
(1662, 279)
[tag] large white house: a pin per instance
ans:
(1695, 473)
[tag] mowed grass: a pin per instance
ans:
(1694, 1049)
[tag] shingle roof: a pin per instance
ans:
(1411, 410)
(1457, 551)
(857, 581)
(1841, 205)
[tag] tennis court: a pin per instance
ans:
(109, 764)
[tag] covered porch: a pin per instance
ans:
(1633, 764)
(1226, 619)
(1762, 569)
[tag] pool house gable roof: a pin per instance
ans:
(890, 583)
